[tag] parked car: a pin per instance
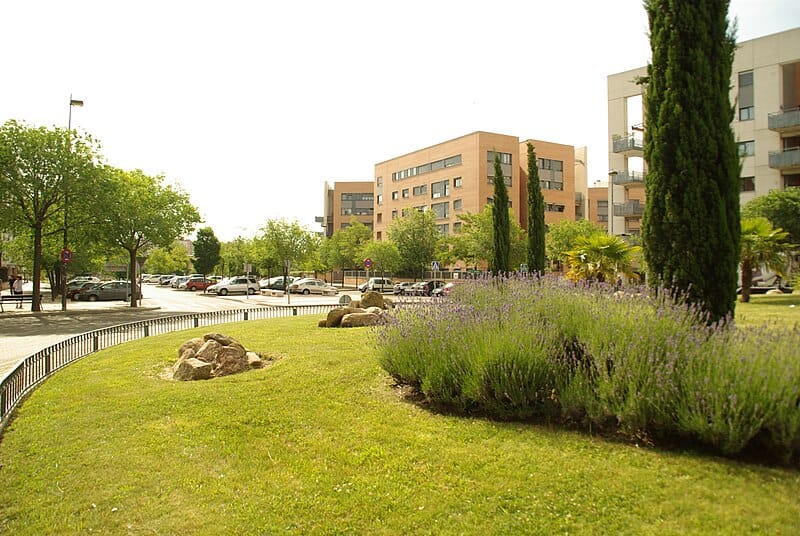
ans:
(152, 278)
(403, 288)
(378, 284)
(83, 279)
(110, 290)
(177, 281)
(166, 279)
(275, 283)
(240, 284)
(196, 283)
(425, 288)
(309, 285)
(73, 287)
(444, 290)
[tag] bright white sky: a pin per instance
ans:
(251, 106)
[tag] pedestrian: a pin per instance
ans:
(17, 290)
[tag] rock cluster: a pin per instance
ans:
(212, 356)
(364, 312)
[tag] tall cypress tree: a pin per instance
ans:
(690, 228)
(501, 224)
(535, 215)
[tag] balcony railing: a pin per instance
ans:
(785, 159)
(631, 208)
(784, 121)
(629, 178)
(632, 143)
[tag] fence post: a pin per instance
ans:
(245, 315)
(147, 330)
(95, 343)
(196, 321)
(294, 311)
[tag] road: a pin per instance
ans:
(23, 333)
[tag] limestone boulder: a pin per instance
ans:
(254, 360)
(229, 360)
(193, 344)
(192, 369)
(208, 351)
(372, 299)
(353, 320)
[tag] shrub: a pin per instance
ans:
(636, 362)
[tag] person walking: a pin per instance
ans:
(17, 290)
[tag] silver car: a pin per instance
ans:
(233, 285)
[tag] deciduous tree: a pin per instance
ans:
(416, 237)
(206, 251)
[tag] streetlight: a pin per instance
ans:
(611, 174)
(65, 254)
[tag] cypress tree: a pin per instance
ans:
(536, 258)
(501, 226)
(690, 228)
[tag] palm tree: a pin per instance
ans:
(601, 257)
(762, 245)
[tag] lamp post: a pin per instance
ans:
(65, 255)
(611, 175)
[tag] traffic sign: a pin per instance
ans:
(435, 266)
(66, 255)
(367, 263)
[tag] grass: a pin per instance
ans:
(321, 442)
(778, 310)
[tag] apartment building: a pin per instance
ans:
(457, 176)
(345, 201)
(765, 90)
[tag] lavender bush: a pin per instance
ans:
(640, 363)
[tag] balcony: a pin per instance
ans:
(630, 145)
(786, 121)
(578, 198)
(630, 209)
(629, 178)
(785, 159)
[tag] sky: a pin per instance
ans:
(251, 106)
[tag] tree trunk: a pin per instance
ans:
(747, 280)
(132, 271)
(37, 267)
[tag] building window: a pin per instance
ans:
(457, 227)
(421, 190)
(791, 181)
(554, 207)
(505, 158)
(405, 212)
(441, 210)
(457, 182)
(748, 184)
(457, 204)
(380, 217)
(394, 214)
(427, 168)
(440, 189)
(507, 180)
(380, 199)
(443, 228)
(378, 236)
(747, 148)
(746, 96)
(395, 196)
(405, 193)
(379, 181)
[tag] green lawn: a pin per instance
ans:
(780, 309)
(322, 443)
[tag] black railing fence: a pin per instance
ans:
(36, 367)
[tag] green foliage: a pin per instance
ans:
(781, 208)
(690, 226)
(171, 260)
(289, 241)
(536, 226)
(343, 249)
(561, 237)
(601, 258)
(644, 365)
(384, 254)
(40, 170)
(139, 212)
(239, 251)
(206, 251)
(417, 239)
(762, 245)
(474, 244)
(501, 229)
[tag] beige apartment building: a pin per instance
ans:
(345, 201)
(765, 90)
(456, 177)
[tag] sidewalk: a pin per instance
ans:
(48, 307)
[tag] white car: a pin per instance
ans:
(312, 286)
(232, 285)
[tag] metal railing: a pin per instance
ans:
(36, 367)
